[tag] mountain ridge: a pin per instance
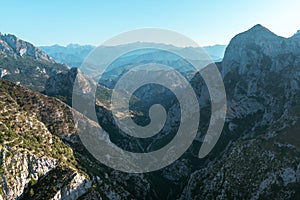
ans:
(11, 44)
(244, 47)
(261, 160)
(22, 62)
(257, 156)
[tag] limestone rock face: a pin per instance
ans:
(261, 74)
(23, 63)
(20, 169)
(10, 44)
(29, 152)
(60, 85)
(78, 186)
(258, 50)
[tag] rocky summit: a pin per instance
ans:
(23, 63)
(10, 44)
(261, 160)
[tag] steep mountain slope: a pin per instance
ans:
(30, 153)
(262, 76)
(22, 62)
(60, 85)
(42, 156)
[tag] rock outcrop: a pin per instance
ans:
(29, 151)
(23, 63)
(60, 85)
(10, 44)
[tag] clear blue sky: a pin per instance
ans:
(207, 22)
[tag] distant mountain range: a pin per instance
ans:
(74, 54)
(71, 55)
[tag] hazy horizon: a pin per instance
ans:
(75, 44)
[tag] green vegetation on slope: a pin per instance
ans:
(28, 71)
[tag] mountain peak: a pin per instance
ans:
(258, 26)
(245, 47)
(259, 29)
(12, 45)
(258, 35)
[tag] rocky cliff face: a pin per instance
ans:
(60, 85)
(30, 152)
(261, 74)
(10, 44)
(258, 50)
(23, 63)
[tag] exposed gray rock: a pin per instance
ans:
(21, 168)
(10, 44)
(258, 50)
(78, 186)
(261, 76)
(3, 72)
